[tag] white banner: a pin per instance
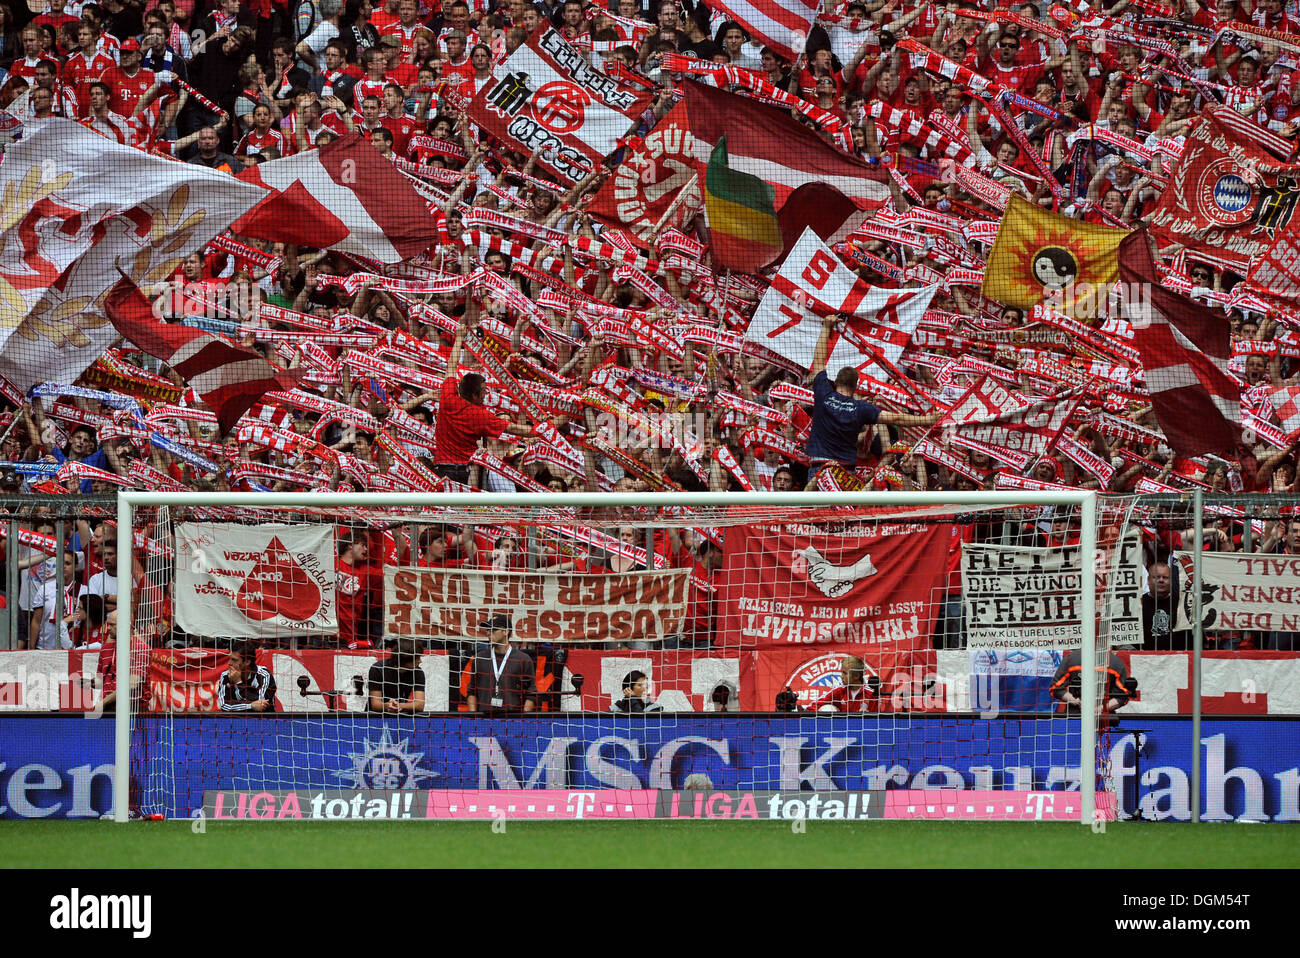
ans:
(543, 606)
(1018, 597)
(1259, 593)
(238, 581)
(812, 283)
(547, 96)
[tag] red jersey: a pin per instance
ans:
(107, 669)
(351, 595)
(127, 90)
(402, 128)
(405, 34)
(120, 129)
(367, 87)
(1021, 78)
(26, 68)
(844, 699)
(254, 142)
(469, 89)
(80, 70)
(457, 73)
(381, 20)
(460, 425)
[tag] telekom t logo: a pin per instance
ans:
(1044, 801)
(582, 799)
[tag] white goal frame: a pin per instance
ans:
(130, 500)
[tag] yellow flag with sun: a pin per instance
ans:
(1038, 255)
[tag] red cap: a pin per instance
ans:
(130, 45)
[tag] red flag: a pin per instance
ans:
(343, 196)
(1286, 403)
(228, 377)
(824, 210)
(992, 419)
(761, 140)
(1185, 350)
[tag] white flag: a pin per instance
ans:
(74, 208)
(813, 283)
(255, 581)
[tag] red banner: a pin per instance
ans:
(1227, 194)
(785, 586)
(1277, 269)
(812, 675)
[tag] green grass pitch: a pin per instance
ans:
(650, 844)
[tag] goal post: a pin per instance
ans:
(146, 518)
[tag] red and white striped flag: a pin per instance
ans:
(1286, 406)
(343, 196)
(228, 377)
(1185, 351)
(783, 25)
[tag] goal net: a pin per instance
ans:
(569, 655)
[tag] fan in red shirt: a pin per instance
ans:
(84, 66)
(480, 58)
(395, 120)
(457, 67)
(129, 81)
(462, 420)
(406, 26)
(107, 669)
(353, 592)
(261, 137)
(1005, 70)
(440, 549)
(857, 694)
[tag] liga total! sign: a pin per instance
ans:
(543, 606)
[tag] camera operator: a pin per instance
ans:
(245, 686)
(634, 695)
(396, 684)
(1066, 683)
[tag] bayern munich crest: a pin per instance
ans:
(1221, 195)
(817, 677)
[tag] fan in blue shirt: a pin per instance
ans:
(838, 417)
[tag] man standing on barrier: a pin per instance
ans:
(502, 680)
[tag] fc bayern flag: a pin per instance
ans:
(343, 196)
(1185, 350)
(228, 377)
(792, 589)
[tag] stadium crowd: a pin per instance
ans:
(233, 84)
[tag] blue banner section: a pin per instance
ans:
(62, 768)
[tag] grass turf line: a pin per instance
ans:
(68, 844)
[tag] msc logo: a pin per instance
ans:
(385, 764)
